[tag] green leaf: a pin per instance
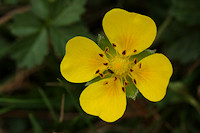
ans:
(70, 14)
(131, 90)
(35, 125)
(30, 51)
(185, 49)
(48, 104)
(25, 24)
(58, 40)
(186, 11)
(11, 1)
(6, 109)
(59, 36)
(40, 8)
(4, 47)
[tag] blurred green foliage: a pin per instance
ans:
(33, 34)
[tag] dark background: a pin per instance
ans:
(33, 34)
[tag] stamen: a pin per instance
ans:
(97, 71)
(135, 61)
(110, 71)
(139, 65)
(105, 64)
(106, 50)
(105, 83)
(114, 45)
(110, 55)
(134, 81)
(126, 83)
(101, 55)
(134, 50)
(123, 89)
(115, 79)
(124, 52)
(101, 75)
(131, 70)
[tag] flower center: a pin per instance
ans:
(120, 65)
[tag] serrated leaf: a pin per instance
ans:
(40, 8)
(30, 51)
(70, 14)
(131, 90)
(59, 36)
(58, 40)
(25, 24)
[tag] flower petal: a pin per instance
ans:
(130, 32)
(82, 60)
(151, 76)
(105, 99)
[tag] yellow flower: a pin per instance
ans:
(129, 34)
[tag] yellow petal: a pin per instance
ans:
(82, 60)
(151, 76)
(105, 99)
(130, 32)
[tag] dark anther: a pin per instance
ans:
(105, 64)
(135, 51)
(131, 70)
(110, 71)
(135, 61)
(123, 89)
(106, 50)
(105, 83)
(114, 45)
(140, 65)
(101, 55)
(97, 71)
(115, 79)
(101, 75)
(134, 81)
(124, 52)
(126, 83)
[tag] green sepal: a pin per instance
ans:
(131, 90)
(97, 79)
(103, 42)
(143, 54)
